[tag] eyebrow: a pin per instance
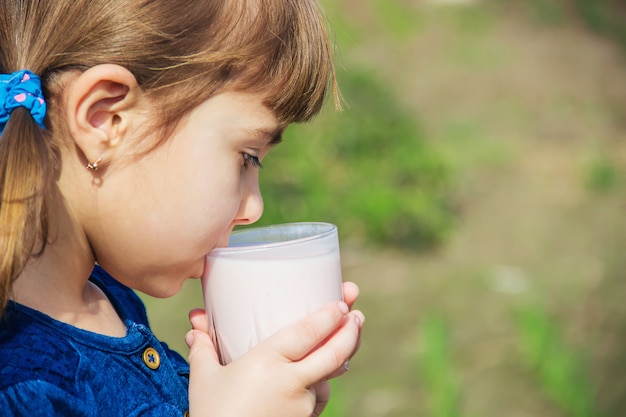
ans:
(272, 136)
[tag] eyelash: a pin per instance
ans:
(251, 160)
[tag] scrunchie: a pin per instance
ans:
(21, 89)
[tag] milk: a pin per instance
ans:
(267, 278)
(250, 299)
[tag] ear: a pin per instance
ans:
(98, 105)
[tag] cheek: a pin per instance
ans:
(207, 209)
(171, 216)
(215, 193)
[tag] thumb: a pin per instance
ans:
(202, 352)
(204, 366)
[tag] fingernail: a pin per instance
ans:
(346, 366)
(357, 319)
(343, 307)
(189, 338)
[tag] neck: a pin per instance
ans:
(57, 282)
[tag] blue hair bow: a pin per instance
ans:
(21, 89)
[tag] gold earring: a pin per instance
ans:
(95, 165)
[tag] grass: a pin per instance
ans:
(436, 369)
(335, 407)
(558, 368)
(602, 174)
(397, 18)
(368, 169)
(604, 17)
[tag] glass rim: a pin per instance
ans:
(329, 230)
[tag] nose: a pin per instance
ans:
(251, 206)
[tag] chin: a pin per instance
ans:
(163, 282)
(165, 291)
(163, 286)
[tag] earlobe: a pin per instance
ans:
(97, 109)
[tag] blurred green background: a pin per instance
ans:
(478, 180)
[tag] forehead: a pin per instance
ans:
(272, 136)
(245, 111)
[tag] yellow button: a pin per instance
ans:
(151, 358)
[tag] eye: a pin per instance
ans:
(251, 160)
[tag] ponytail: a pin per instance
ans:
(26, 168)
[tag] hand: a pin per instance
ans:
(283, 376)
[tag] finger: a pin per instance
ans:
(203, 356)
(329, 357)
(199, 338)
(199, 320)
(345, 367)
(322, 393)
(203, 363)
(297, 340)
(350, 293)
(339, 372)
(358, 342)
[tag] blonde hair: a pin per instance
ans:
(181, 53)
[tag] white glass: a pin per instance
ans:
(266, 278)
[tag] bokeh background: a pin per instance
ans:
(477, 175)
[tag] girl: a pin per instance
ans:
(131, 136)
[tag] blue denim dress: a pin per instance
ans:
(49, 368)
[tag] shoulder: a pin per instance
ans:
(31, 351)
(43, 399)
(40, 398)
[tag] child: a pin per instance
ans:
(131, 136)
